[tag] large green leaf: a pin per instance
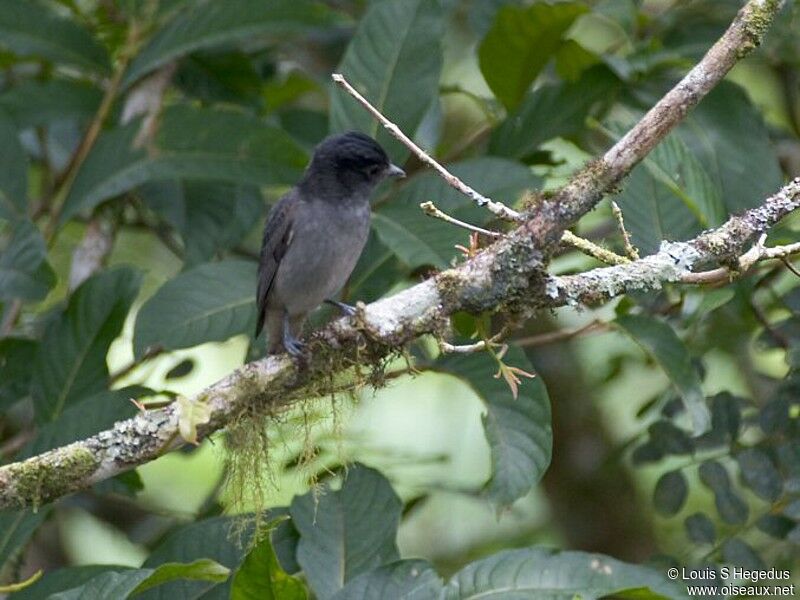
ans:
(209, 303)
(346, 532)
(24, 271)
(13, 171)
(71, 362)
(519, 430)
(545, 574)
(66, 578)
(659, 340)
(670, 196)
(198, 143)
(218, 216)
(32, 28)
(116, 583)
(727, 134)
(520, 43)
(31, 103)
(418, 239)
(260, 577)
(207, 539)
(394, 60)
(551, 110)
(212, 24)
(401, 580)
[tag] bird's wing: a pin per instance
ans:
(277, 237)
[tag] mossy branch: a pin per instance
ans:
(509, 275)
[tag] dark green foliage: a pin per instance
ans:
(513, 96)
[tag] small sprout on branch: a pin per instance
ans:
(510, 374)
(592, 249)
(191, 414)
(630, 250)
(473, 248)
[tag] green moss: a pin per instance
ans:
(51, 475)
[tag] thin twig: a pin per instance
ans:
(496, 208)
(757, 253)
(561, 335)
(788, 264)
(480, 346)
(430, 209)
(593, 250)
(630, 249)
(135, 363)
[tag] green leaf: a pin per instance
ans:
(670, 196)
(218, 217)
(132, 582)
(32, 103)
(229, 77)
(730, 506)
(32, 28)
(776, 526)
(520, 43)
(347, 532)
(198, 143)
(394, 60)
(209, 303)
(203, 569)
(71, 361)
(760, 474)
(401, 580)
(418, 239)
(540, 573)
(700, 529)
(551, 110)
(519, 430)
(209, 25)
(670, 493)
(24, 271)
(725, 416)
(66, 578)
(16, 358)
(717, 130)
(669, 438)
(260, 577)
(207, 539)
(16, 528)
(658, 339)
(13, 172)
(739, 553)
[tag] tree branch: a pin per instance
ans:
(509, 274)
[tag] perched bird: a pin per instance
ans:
(315, 234)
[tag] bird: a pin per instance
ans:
(315, 234)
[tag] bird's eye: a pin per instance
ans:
(373, 170)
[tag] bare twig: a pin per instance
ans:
(496, 208)
(592, 249)
(630, 250)
(430, 209)
(561, 335)
(135, 363)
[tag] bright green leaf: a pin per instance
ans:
(347, 532)
(196, 143)
(659, 339)
(394, 60)
(203, 569)
(520, 43)
(209, 303)
(519, 430)
(260, 577)
(71, 361)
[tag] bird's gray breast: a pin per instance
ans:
(325, 244)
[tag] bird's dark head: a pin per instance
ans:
(353, 161)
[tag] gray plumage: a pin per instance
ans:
(315, 234)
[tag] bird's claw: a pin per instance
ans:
(293, 346)
(346, 309)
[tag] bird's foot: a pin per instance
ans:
(292, 345)
(346, 309)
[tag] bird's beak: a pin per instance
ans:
(395, 171)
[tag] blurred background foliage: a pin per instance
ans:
(141, 144)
